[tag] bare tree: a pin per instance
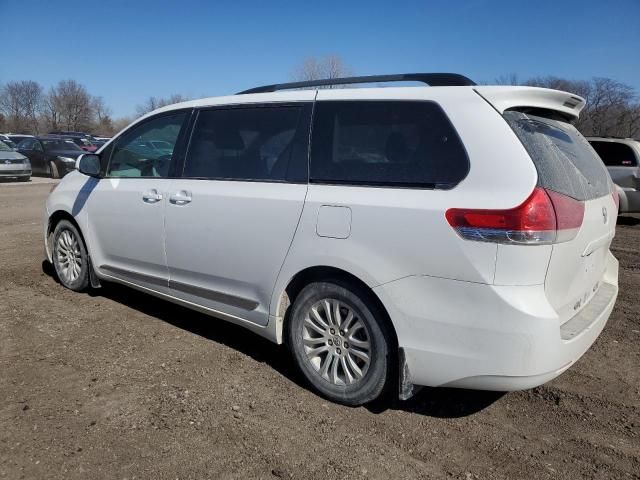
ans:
(152, 103)
(102, 116)
(119, 124)
(51, 115)
(70, 104)
(20, 102)
(612, 107)
(328, 67)
(510, 79)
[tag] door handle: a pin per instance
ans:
(180, 198)
(152, 196)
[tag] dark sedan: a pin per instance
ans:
(54, 157)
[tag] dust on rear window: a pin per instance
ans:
(565, 161)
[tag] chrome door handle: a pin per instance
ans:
(152, 196)
(180, 198)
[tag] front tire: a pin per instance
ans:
(340, 342)
(70, 258)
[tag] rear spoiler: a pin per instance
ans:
(506, 98)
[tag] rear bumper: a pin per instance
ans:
(469, 335)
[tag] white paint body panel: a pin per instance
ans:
(468, 314)
(232, 238)
(504, 98)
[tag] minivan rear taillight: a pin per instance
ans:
(545, 217)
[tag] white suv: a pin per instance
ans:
(453, 235)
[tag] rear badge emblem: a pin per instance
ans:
(7, 162)
(604, 214)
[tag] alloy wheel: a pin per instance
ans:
(69, 257)
(336, 342)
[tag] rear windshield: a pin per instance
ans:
(565, 161)
(615, 154)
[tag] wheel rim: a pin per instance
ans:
(69, 256)
(336, 342)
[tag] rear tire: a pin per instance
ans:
(70, 258)
(54, 170)
(24, 179)
(340, 342)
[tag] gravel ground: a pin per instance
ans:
(116, 384)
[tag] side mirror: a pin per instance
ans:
(89, 164)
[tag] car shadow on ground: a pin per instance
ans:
(432, 402)
(628, 221)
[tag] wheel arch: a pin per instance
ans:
(54, 219)
(325, 273)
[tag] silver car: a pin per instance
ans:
(622, 157)
(13, 164)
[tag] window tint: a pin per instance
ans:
(565, 161)
(258, 143)
(59, 144)
(615, 154)
(395, 143)
(135, 156)
(26, 144)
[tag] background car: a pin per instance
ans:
(52, 156)
(622, 157)
(71, 133)
(13, 164)
(16, 138)
(7, 141)
(83, 142)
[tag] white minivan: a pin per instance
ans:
(450, 235)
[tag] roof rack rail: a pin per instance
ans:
(431, 79)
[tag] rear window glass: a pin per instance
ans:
(386, 143)
(615, 154)
(565, 161)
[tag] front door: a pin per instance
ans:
(126, 208)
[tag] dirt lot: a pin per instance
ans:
(115, 384)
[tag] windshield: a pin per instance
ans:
(565, 161)
(4, 147)
(57, 144)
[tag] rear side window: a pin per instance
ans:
(615, 154)
(249, 143)
(565, 161)
(386, 143)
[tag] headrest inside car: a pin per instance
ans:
(228, 138)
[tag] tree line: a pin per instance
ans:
(612, 108)
(25, 107)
